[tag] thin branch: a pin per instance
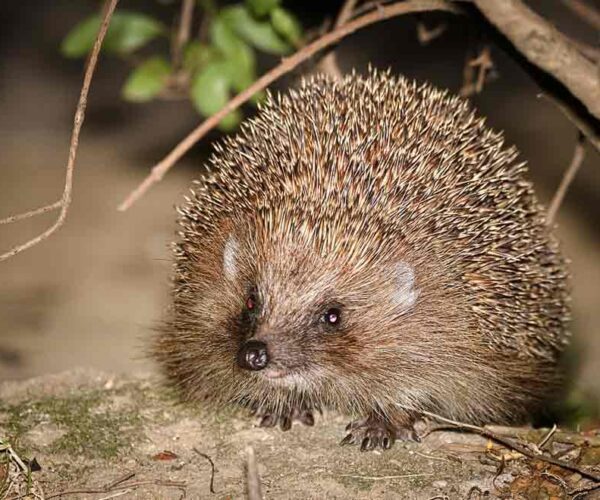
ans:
(183, 33)
(586, 12)
(209, 11)
(545, 47)
(252, 477)
(426, 35)
(119, 480)
(568, 176)
(345, 13)
(329, 63)
(287, 65)
(212, 469)
(547, 437)
(32, 213)
(109, 7)
(130, 486)
(116, 495)
(590, 130)
(480, 66)
(509, 443)
(383, 478)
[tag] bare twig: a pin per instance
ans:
(484, 64)
(480, 65)
(575, 494)
(382, 478)
(586, 12)
(558, 480)
(32, 213)
(329, 63)
(345, 13)
(252, 477)
(526, 433)
(109, 7)
(591, 130)
(116, 495)
(547, 437)
(119, 480)
(380, 14)
(129, 486)
(7, 448)
(183, 33)
(545, 47)
(509, 443)
(568, 176)
(212, 469)
(426, 35)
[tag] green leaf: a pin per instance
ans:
(258, 33)
(239, 56)
(196, 55)
(210, 91)
(80, 40)
(131, 30)
(287, 25)
(147, 80)
(262, 8)
(128, 31)
(224, 38)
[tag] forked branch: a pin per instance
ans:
(65, 201)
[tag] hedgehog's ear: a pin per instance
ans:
(406, 293)
(230, 257)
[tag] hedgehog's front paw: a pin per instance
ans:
(268, 419)
(377, 432)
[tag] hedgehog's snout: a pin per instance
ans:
(253, 355)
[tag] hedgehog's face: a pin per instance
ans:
(303, 319)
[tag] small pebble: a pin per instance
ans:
(440, 484)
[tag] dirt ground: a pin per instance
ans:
(96, 435)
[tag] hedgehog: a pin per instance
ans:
(369, 246)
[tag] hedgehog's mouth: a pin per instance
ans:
(275, 373)
(282, 377)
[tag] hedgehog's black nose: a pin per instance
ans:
(253, 355)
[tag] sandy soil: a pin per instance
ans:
(90, 295)
(88, 429)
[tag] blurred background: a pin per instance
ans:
(90, 295)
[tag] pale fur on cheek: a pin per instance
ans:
(230, 258)
(406, 293)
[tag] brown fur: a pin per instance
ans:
(321, 196)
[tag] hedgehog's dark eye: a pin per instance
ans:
(332, 316)
(251, 303)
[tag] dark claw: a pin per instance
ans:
(377, 432)
(285, 423)
(368, 444)
(349, 439)
(408, 435)
(268, 421)
(307, 418)
(286, 420)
